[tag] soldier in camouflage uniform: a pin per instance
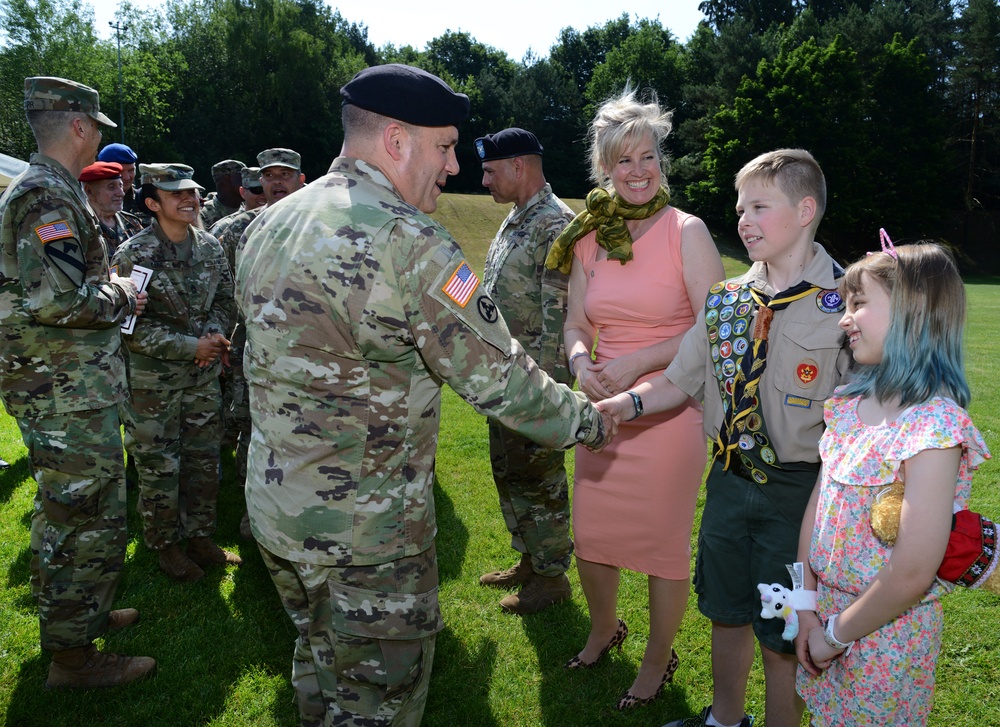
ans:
(173, 423)
(251, 189)
(62, 376)
(358, 305)
(530, 479)
(102, 183)
(227, 176)
(283, 168)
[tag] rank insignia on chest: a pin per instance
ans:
(829, 301)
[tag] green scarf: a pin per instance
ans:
(606, 214)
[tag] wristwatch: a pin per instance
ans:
(832, 640)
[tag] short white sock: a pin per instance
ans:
(711, 721)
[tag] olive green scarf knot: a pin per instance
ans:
(606, 213)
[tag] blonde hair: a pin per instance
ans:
(922, 355)
(618, 123)
(794, 171)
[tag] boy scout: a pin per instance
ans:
(765, 353)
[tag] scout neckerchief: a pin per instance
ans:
(739, 394)
(605, 213)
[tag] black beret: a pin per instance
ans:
(406, 93)
(508, 143)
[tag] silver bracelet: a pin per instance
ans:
(572, 358)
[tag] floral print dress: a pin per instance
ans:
(888, 677)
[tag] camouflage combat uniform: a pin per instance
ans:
(62, 376)
(530, 479)
(213, 210)
(235, 401)
(126, 225)
(358, 306)
(173, 423)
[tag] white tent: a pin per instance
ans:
(10, 168)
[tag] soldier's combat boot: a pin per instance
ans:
(178, 566)
(122, 617)
(205, 553)
(245, 532)
(84, 667)
(515, 577)
(540, 592)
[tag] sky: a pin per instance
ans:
(513, 26)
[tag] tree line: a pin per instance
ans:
(897, 99)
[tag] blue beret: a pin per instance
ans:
(117, 153)
(406, 93)
(512, 142)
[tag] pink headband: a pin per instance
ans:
(887, 247)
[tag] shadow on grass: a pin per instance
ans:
(12, 477)
(455, 664)
(452, 536)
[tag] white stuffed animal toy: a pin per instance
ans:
(776, 602)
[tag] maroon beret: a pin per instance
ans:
(101, 170)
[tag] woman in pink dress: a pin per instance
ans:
(639, 270)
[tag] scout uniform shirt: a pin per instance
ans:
(358, 307)
(806, 359)
(532, 298)
(60, 347)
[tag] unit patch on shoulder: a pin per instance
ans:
(461, 285)
(829, 301)
(54, 231)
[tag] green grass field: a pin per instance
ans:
(224, 644)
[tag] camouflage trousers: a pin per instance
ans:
(78, 532)
(365, 641)
(174, 436)
(236, 402)
(534, 499)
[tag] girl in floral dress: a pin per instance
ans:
(867, 655)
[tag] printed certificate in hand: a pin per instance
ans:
(140, 276)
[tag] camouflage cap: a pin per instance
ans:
(250, 177)
(168, 177)
(48, 93)
(279, 158)
(226, 166)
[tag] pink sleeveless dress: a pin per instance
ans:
(634, 502)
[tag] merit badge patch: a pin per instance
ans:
(54, 231)
(807, 372)
(829, 301)
(461, 285)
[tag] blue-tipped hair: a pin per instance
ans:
(923, 353)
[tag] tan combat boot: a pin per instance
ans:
(541, 592)
(514, 577)
(84, 667)
(178, 566)
(122, 617)
(205, 553)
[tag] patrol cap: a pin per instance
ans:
(406, 93)
(512, 142)
(49, 93)
(250, 178)
(101, 170)
(168, 177)
(118, 153)
(226, 166)
(279, 157)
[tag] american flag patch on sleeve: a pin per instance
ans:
(54, 231)
(461, 285)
